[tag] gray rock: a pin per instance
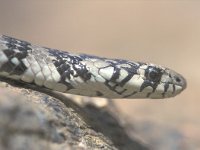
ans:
(36, 121)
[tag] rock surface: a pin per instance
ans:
(33, 120)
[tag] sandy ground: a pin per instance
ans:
(162, 32)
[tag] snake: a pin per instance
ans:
(86, 75)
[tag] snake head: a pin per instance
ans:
(165, 82)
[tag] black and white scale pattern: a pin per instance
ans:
(84, 74)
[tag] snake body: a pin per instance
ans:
(85, 75)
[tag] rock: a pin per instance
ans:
(33, 120)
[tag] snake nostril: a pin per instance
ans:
(177, 79)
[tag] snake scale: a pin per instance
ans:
(85, 75)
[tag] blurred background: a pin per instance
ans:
(162, 32)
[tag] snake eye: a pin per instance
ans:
(153, 74)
